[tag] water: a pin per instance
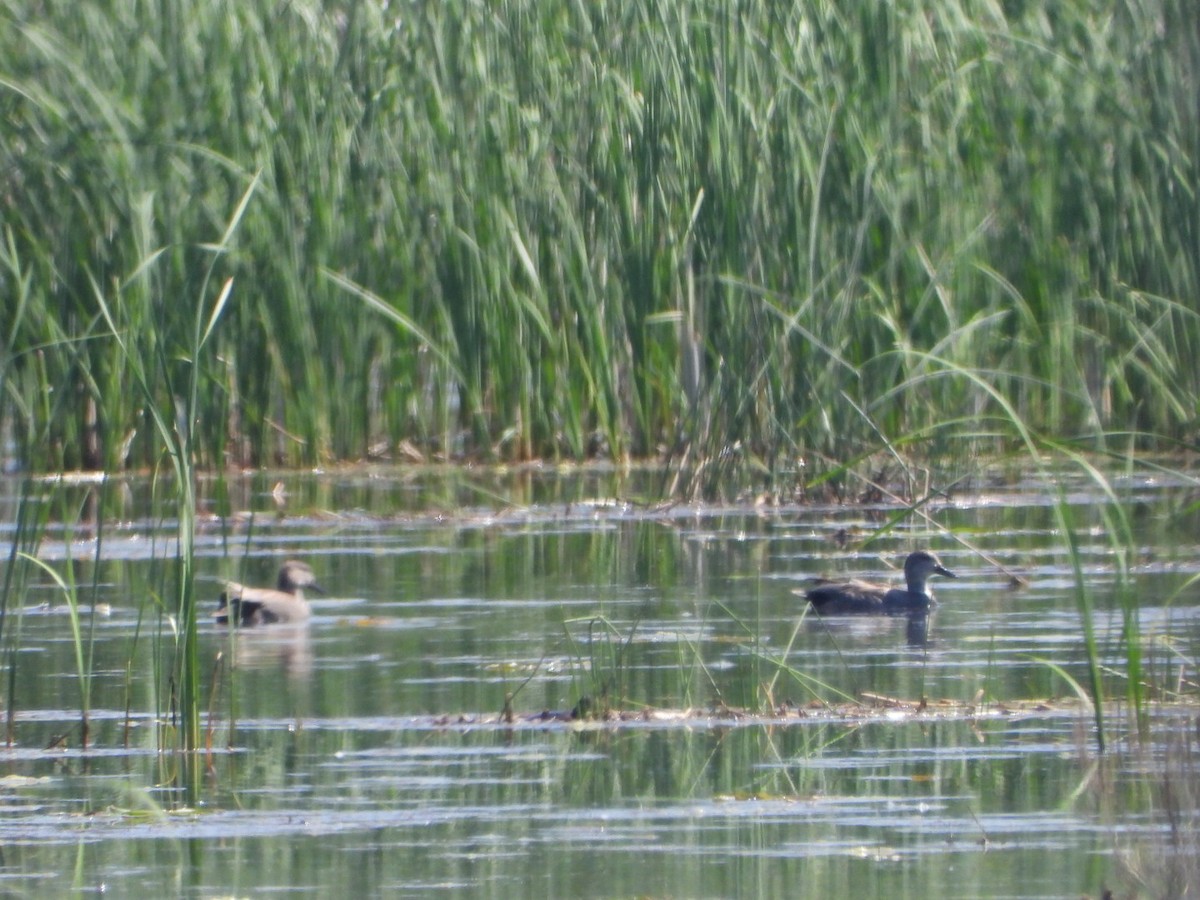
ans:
(366, 754)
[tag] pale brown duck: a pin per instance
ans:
(264, 606)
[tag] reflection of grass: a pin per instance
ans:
(32, 514)
(83, 649)
(1167, 867)
(29, 533)
(599, 675)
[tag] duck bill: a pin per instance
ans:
(942, 570)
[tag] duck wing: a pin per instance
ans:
(233, 604)
(846, 597)
(259, 606)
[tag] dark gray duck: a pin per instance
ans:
(264, 606)
(862, 598)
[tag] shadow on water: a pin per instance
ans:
(369, 751)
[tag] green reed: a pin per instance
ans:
(600, 667)
(177, 369)
(610, 228)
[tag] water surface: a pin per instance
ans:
(364, 755)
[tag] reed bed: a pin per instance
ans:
(737, 236)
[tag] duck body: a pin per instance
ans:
(283, 603)
(862, 598)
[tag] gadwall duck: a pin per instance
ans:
(264, 606)
(842, 598)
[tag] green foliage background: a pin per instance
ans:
(764, 230)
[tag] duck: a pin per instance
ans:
(265, 606)
(848, 598)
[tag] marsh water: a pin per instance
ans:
(366, 755)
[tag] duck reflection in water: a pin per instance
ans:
(285, 647)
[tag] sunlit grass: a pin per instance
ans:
(724, 235)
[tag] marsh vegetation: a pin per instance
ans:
(844, 264)
(735, 237)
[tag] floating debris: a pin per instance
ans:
(871, 708)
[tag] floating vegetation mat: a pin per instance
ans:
(871, 708)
